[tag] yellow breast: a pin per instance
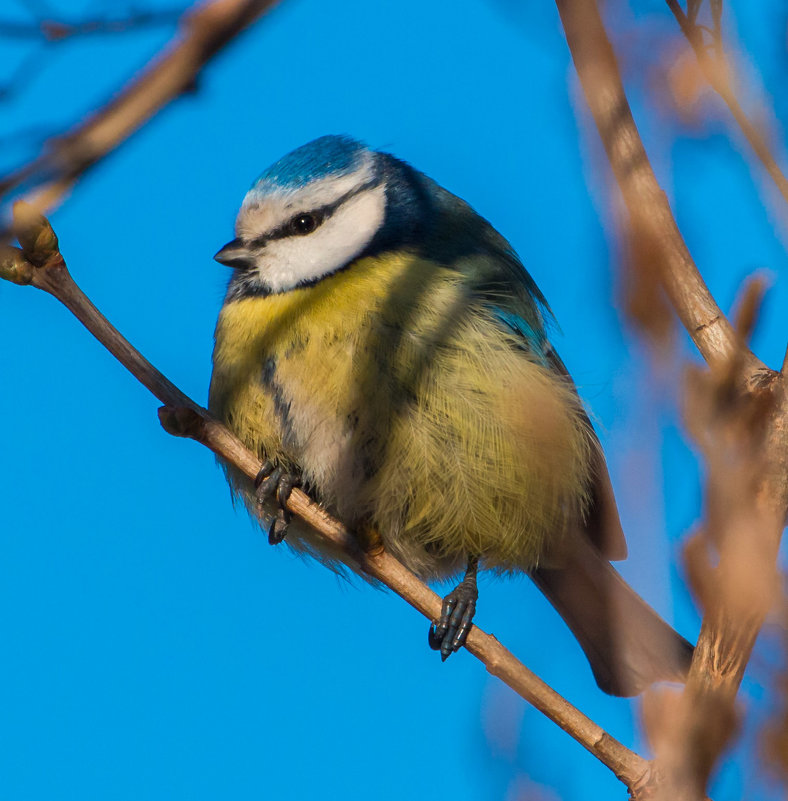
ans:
(303, 338)
(406, 405)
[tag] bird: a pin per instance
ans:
(382, 346)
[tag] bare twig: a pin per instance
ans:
(50, 30)
(204, 33)
(746, 415)
(730, 562)
(717, 73)
(41, 264)
(651, 219)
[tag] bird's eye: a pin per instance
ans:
(303, 224)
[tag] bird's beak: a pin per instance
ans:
(235, 254)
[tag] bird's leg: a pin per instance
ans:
(272, 480)
(450, 632)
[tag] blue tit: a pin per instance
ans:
(382, 345)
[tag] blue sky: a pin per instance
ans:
(154, 645)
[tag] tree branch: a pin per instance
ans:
(717, 74)
(651, 219)
(39, 263)
(204, 32)
(50, 30)
(743, 424)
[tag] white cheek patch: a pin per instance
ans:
(285, 263)
(260, 213)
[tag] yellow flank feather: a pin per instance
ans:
(407, 407)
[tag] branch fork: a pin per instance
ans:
(726, 641)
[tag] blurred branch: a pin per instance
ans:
(717, 73)
(204, 32)
(50, 30)
(730, 560)
(741, 419)
(46, 31)
(39, 263)
(651, 220)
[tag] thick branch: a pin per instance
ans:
(41, 265)
(204, 33)
(746, 425)
(650, 215)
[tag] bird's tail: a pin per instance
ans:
(627, 643)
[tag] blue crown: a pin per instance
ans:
(327, 156)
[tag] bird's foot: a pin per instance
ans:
(450, 632)
(272, 481)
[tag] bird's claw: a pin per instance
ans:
(266, 480)
(450, 632)
(272, 480)
(278, 530)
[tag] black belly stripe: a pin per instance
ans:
(281, 404)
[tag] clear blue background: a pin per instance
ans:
(153, 645)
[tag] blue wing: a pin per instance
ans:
(534, 339)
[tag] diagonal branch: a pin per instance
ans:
(41, 264)
(651, 219)
(717, 74)
(745, 421)
(204, 32)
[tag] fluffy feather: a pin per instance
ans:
(396, 354)
(406, 405)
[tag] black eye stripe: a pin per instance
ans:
(320, 214)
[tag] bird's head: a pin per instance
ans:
(313, 212)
